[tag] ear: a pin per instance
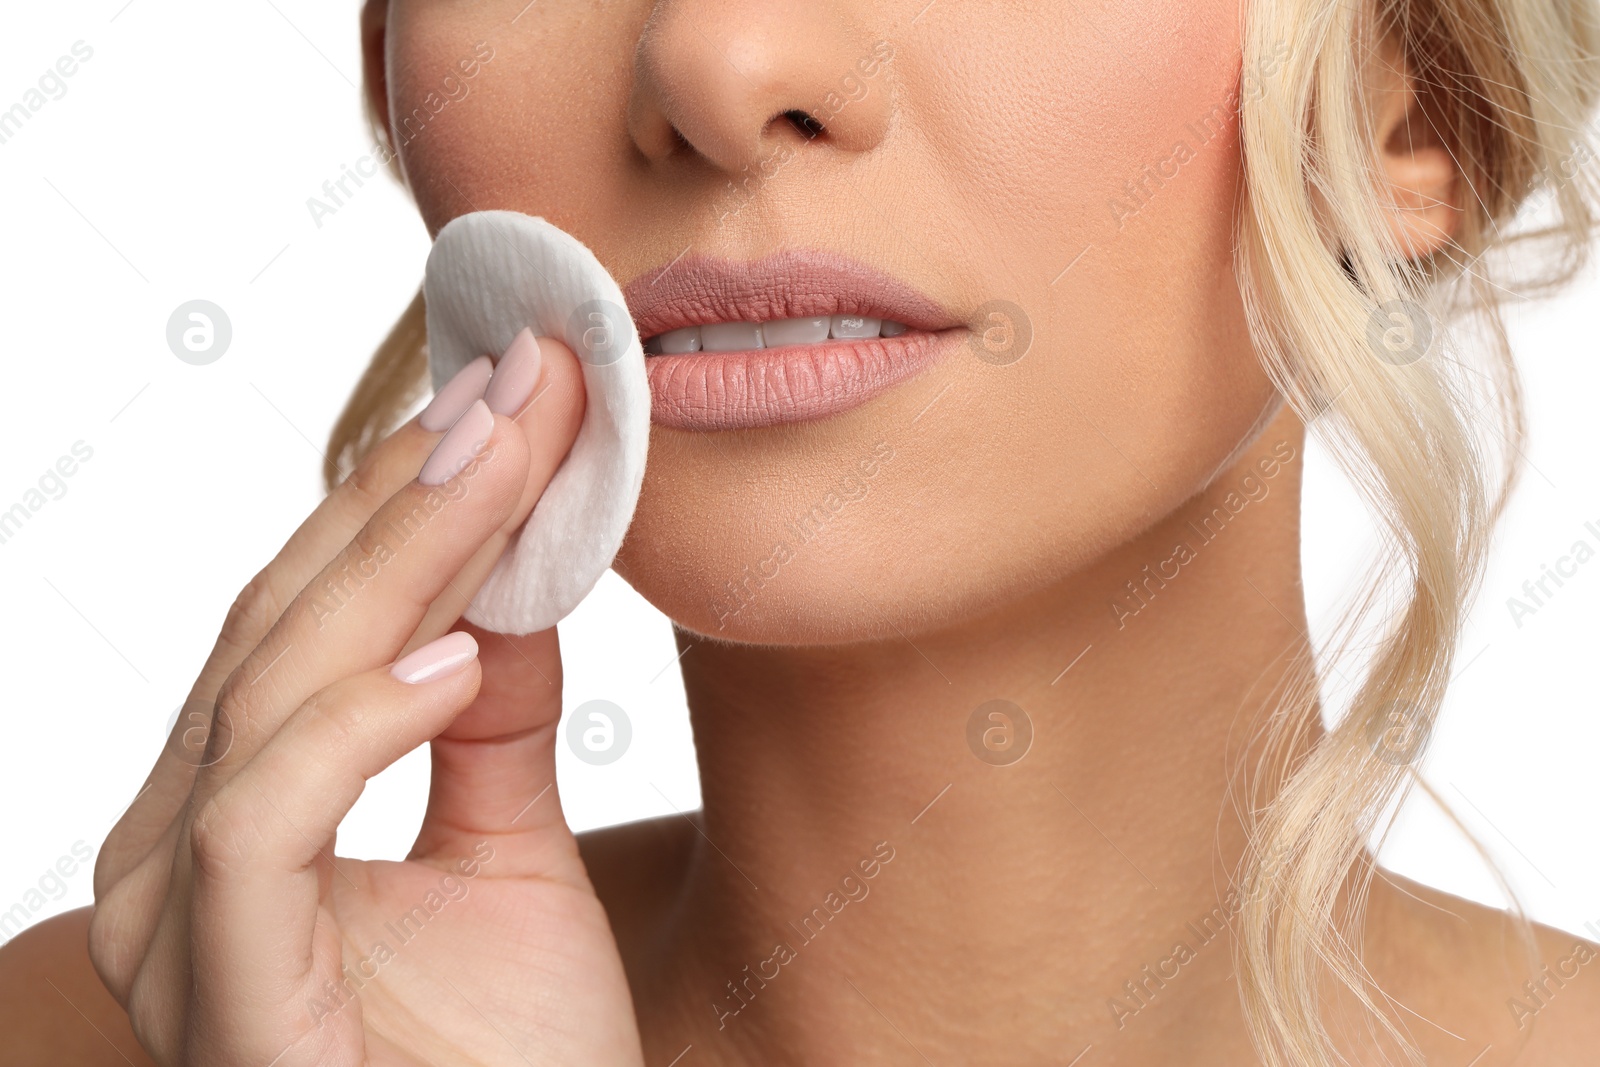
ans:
(1424, 185)
(374, 32)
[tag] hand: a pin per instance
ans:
(225, 925)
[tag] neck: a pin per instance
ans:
(879, 852)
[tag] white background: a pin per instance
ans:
(177, 166)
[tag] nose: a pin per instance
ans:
(734, 80)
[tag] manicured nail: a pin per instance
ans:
(436, 659)
(456, 395)
(514, 376)
(460, 446)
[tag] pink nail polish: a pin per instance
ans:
(456, 395)
(436, 659)
(515, 376)
(460, 446)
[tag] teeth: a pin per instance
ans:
(730, 336)
(674, 342)
(795, 331)
(742, 336)
(853, 328)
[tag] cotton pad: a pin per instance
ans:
(490, 274)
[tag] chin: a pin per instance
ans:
(869, 546)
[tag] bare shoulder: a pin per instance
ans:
(53, 1009)
(1470, 984)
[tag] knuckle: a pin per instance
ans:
(111, 860)
(370, 484)
(371, 547)
(252, 614)
(231, 695)
(222, 837)
(335, 741)
(232, 712)
(108, 950)
(341, 724)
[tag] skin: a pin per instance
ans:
(1006, 904)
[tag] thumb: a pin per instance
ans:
(494, 768)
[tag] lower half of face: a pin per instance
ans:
(1048, 188)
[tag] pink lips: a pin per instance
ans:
(793, 383)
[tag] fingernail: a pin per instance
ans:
(514, 376)
(456, 395)
(436, 659)
(460, 446)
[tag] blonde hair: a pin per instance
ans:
(1510, 85)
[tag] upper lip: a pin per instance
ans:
(792, 284)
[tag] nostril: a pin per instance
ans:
(808, 126)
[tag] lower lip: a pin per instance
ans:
(794, 383)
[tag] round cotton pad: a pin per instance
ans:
(490, 274)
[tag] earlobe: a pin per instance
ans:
(374, 32)
(1424, 184)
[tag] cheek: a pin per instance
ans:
(541, 118)
(1066, 108)
(1118, 172)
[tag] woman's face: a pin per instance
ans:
(1057, 180)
